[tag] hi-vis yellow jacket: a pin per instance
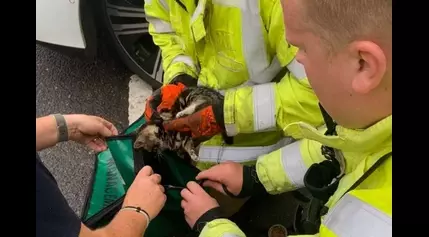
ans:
(222, 43)
(364, 211)
(238, 47)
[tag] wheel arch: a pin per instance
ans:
(67, 25)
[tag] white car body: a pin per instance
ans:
(58, 22)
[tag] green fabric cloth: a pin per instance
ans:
(114, 172)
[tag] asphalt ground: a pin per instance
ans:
(67, 85)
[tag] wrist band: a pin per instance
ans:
(138, 210)
(63, 133)
(210, 215)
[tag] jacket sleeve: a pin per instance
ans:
(270, 106)
(283, 170)
(227, 228)
(221, 228)
(273, 106)
(175, 61)
(273, 20)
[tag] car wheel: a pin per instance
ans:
(128, 29)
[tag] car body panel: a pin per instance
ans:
(58, 22)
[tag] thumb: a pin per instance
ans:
(104, 131)
(214, 174)
(215, 185)
(176, 125)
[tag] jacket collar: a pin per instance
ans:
(375, 137)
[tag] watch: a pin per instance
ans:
(63, 134)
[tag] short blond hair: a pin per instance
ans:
(339, 22)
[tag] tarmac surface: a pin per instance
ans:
(67, 85)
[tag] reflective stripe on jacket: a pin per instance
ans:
(223, 43)
(231, 44)
(257, 114)
(364, 211)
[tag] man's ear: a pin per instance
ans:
(371, 66)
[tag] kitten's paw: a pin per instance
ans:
(194, 156)
(181, 114)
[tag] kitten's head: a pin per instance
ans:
(149, 138)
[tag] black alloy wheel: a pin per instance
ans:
(129, 32)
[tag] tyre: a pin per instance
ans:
(128, 31)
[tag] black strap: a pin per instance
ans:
(322, 179)
(369, 172)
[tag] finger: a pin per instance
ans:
(109, 126)
(156, 178)
(98, 141)
(188, 220)
(145, 171)
(215, 185)
(186, 194)
(183, 204)
(215, 173)
(105, 126)
(113, 129)
(195, 188)
(97, 147)
(164, 199)
(179, 125)
(102, 130)
(161, 188)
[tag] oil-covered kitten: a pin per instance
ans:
(152, 137)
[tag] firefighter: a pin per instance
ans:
(238, 48)
(346, 49)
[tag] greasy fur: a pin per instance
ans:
(151, 135)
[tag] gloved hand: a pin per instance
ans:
(164, 97)
(202, 124)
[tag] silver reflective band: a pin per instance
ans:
(165, 5)
(160, 26)
(183, 59)
(264, 107)
(217, 154)
(297, 69)
(293, 164)
(352, 217)
(260, 68)
(198, 10)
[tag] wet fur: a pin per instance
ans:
(152, 137)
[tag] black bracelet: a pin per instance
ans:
(63, 133)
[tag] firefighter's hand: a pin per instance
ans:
(89, 130)
(196, 203)
(202, 124)
(228, 173)
(163, 98)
